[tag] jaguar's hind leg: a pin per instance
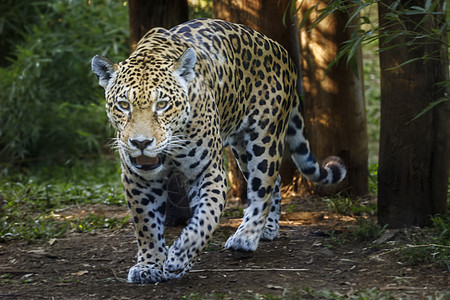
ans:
(272, 224)
(260, 163)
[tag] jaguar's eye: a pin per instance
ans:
(162, 105)
(124, 105)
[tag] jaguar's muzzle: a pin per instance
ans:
(147, 163)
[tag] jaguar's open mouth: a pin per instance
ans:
(147, 163)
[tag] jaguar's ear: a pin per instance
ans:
(184, 65)
(104, 69)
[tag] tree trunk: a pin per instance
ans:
(414, 154)
(335, 114)
(144, 15)
(265, 16)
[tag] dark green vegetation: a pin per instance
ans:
(428, 246)
(52, 114)
(30, 203)
(412, 246)
(51, 106)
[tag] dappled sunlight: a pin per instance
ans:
(82, 211)
(228, 10)
(324, 219)
(323, 54)
(320, 50)
(309, 211)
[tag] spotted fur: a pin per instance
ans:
(176, 102)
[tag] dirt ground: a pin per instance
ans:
(305, 257)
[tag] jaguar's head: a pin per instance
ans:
(147, 103)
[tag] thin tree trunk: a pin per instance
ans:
(334, 105)
(144, 15)
(414, 154)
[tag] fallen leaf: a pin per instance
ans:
(274, 287)
(79, 273)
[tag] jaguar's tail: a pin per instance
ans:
(332, 169)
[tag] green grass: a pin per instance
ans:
(427, 245)
(29, 199)
(367, 230)
(351, 207)
(412, 246)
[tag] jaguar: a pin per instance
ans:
(181, 97)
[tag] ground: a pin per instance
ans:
(309, 260)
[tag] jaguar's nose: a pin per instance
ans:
(141, 144)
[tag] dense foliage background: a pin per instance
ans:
(51, 105)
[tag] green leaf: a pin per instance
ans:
(356, 14)
(305, 17)
(356, 45)
(405, 63)
(428, 108)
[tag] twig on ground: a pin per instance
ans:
(407, 247)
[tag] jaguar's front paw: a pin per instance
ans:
(177, 263)
(241, 242)
(270, 232)
(146, 274)
(172, 272)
